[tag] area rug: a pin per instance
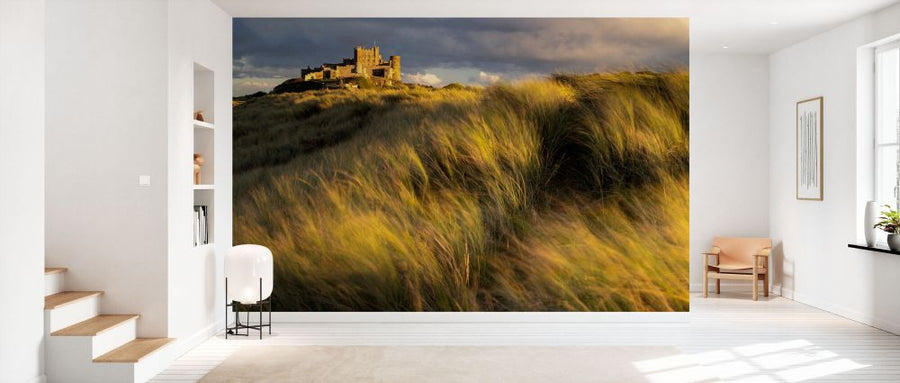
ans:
(456, 364)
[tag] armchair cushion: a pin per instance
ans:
(740, 253)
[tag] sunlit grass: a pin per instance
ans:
(566, 194)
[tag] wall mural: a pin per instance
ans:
(465, 164)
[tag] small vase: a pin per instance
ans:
(871, 216)
(893, 241)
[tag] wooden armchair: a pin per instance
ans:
(738, 258)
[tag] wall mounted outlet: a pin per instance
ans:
(144, 180)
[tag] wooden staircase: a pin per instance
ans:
(83, 345)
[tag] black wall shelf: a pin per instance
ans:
(876, 248)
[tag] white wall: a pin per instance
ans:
(120, 87)
(106, 125)
(729, 151)
(818, 268)
(198, 32)
(21, 189)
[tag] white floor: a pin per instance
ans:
(729, 336)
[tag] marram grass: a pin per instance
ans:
(561, 194)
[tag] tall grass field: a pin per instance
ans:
(568, 193)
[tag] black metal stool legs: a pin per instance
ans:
(235, 330)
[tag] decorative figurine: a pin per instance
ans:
(198, 162)
(198, 115)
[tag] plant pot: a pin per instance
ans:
(893, 241)
(870, 231)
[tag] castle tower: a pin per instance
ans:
(366, 59)
(358, 58)
(395, 68)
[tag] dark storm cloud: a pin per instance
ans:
(268, 49)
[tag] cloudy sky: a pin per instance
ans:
(471, 51)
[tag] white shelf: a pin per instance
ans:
(204, 133)
(203, 124)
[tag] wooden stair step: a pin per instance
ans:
(96, 325)
(134, 351)
(67, 297)
(54, 270)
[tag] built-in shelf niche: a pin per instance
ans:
(204, 143)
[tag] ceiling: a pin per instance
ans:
(722, 26)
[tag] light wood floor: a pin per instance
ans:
(729, 336)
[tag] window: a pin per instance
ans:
(887, 124)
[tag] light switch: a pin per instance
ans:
(144, 180)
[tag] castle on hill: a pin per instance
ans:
(365, 63)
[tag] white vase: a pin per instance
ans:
(872, 214)
(245, 265)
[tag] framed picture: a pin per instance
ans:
(809, 149)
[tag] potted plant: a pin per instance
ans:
(890, 223)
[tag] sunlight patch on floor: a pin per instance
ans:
(781, 362)
(819, 370)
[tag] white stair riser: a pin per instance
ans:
(54, 283)
(65, 316)
(114, 372)
(67, 362)
(154, 363)
(113, 338)
(66, 357)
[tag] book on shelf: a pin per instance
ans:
(201, 230)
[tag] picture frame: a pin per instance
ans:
(809, 166)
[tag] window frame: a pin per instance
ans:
(879, 144)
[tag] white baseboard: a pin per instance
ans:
(182, 346)
(37, 379)
(870, 320)
(785, 293)
(479, 317)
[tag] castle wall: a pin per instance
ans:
(365, 63)
(344, 71)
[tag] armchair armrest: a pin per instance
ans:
(764, 254)
(713, 252)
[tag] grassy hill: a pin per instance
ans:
(562, 194)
